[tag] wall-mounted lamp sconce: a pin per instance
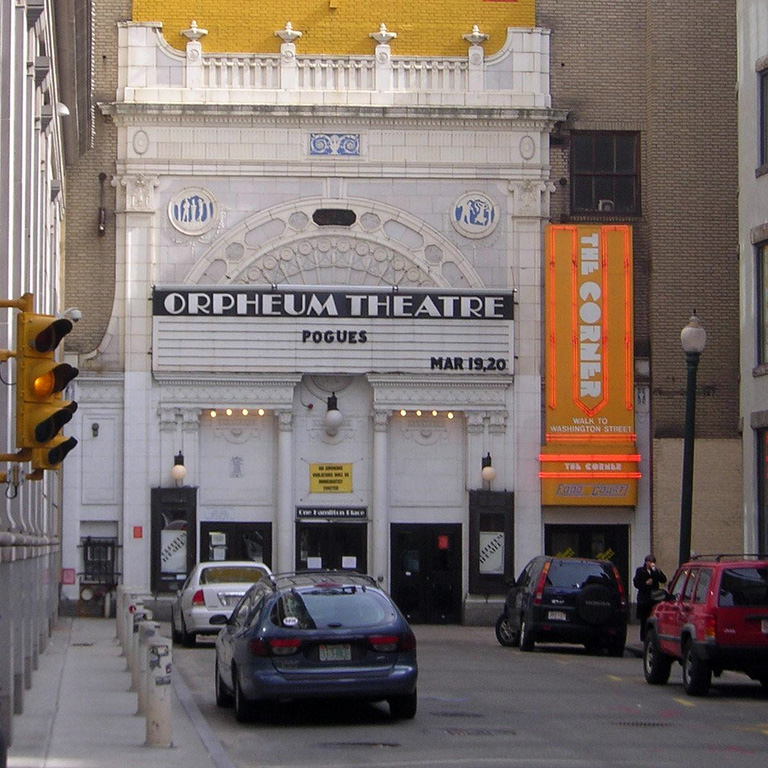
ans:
(333, 416)
(102, 209)
(179, 471)
(95, 429)
(488, 472)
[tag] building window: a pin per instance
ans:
(762, 490)
(764, 117)
(762, 304)
(605, 173)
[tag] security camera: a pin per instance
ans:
(73, 314)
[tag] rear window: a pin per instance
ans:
(744, 586)
(223, 575)
(350, 606)
(563, 573)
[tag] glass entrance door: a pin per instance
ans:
(333, 546)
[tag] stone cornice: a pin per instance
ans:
(286, 114)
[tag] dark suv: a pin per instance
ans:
(563, 599)
(714, 617)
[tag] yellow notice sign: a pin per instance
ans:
(330, 478)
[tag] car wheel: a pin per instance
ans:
(506, 636)
(245, 709)
(656, 665)
(526, 636)
(175, 634)
(187, 638)
(223, 694)
(697, 674)
(403, 707)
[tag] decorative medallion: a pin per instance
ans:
(193, 211)
(335, 144)
(474, 214)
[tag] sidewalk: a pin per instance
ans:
(80, 711)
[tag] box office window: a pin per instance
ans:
(605, 171)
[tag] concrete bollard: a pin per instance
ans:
(133, 654)
(133, 603)
(160, 661)
(148, 632)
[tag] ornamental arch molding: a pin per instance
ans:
(384, 246)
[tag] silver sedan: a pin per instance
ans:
(211, 588)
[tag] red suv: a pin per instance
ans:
(714, 617)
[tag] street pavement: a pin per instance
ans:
(80, 710)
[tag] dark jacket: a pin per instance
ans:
(644, 590)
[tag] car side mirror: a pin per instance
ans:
(219, 619)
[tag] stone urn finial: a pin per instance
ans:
(475, 37)
(382, 37)
(289, 34)
(194, 33)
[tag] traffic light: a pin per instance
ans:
(41, 410)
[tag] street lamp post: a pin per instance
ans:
(693, 339)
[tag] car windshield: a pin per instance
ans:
(221, 574)
(343, 606)
(568, 573)
(745, 587)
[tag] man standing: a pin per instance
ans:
(647, 579)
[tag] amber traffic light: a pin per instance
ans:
(41, 410)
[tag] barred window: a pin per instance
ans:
(605, 172)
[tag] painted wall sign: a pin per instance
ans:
(589, 457)
(330, 478)
(193, 211)
(474, 215)
(292, 328)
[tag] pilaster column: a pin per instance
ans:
(190, 443)
(286, 537)
(135, 248)
(380, 496)
(474, 422)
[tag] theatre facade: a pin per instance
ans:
(345, 335)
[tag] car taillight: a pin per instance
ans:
(622, 596)
(538, 595)
(383, 642)
(710, 626)
(389, 643)
(274, 647)
(284, 646)
(198, 598)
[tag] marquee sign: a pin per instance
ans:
(264, 329)
(589, 457)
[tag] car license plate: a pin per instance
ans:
(335, 653)
(764, 626)
(556, 615)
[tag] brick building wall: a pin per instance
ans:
(668, 70)
(90, 264)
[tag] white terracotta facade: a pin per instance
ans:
(223, 162)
